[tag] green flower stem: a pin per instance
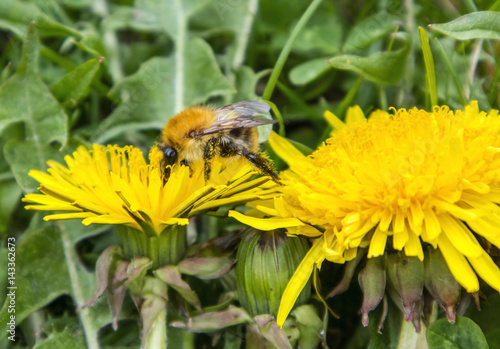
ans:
(157, 336)
(287, 48)
(408, 338)
(164, 249)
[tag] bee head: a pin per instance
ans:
(169, 154)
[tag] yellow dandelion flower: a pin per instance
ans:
(113, 185)
(397, 181)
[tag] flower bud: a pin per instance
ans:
(266, 262)
(405, 280)
(372, 282)
(440, 283)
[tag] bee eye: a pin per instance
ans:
(170, 155)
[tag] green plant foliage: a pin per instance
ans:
(77, 72)
(61, 340)
(152, 96)
(36, 287)
(384, 68)
(464, 334)
(476, 25)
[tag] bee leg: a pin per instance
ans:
(210, 151)
(165, 171)
(262, 164)
(185, 163)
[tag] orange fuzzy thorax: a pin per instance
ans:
(190, 120)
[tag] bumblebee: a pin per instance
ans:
(201, 133)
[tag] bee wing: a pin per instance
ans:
(246, 114)
(235, 123)
(243, 109)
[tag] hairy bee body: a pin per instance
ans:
(200, 133)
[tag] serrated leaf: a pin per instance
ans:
(62, 340)
(475, 25)
(152, 91)
(41, 274)
(465, 333)
(308, 71)
(384, 68)
(74, 85)
(369, 30)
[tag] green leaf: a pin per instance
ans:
(170, 16)
(278, 66)
(41, 274)
(206, 268)
(487, 319)
(214, 321)
(308, 71)
(76, 3)
(6, 72)
(369, 30)
(74, 85)
(245, 83)
(171, 276)
(269, 9)
(152, 91)
(384, 68)
(25, 98)
(9, 199)
(17, 15)
(29, 59)
(465, 333)
(62, 340)
(309, 324)
(25, 156)
(267, 327)
(322, 35)
(226, 16)
(429, 66)
(475, 25)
